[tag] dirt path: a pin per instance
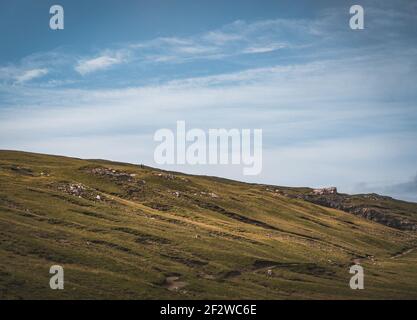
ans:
(403, 253)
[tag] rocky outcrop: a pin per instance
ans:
(323, 191)
(370, 207)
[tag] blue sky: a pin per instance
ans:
(337, 106)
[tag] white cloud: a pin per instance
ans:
(264, 49)
(220, 38)
(99, 63)
(30, 74)
(195, 49)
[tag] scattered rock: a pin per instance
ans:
(76, 189)
(170, 176)
(166, 176)
(209, 194)
(113, 174)
(174, 283)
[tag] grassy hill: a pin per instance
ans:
(123, 231)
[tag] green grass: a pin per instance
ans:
(125, 245)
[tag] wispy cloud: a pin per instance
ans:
(31, 74)
(232, 40)
(86, 66)
(264, 49)
(220, 37)
(20, 75)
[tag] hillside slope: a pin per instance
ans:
(132, 232)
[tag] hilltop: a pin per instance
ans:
(124, 231)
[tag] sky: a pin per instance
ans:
(338, 107)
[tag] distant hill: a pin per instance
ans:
(124, 231)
